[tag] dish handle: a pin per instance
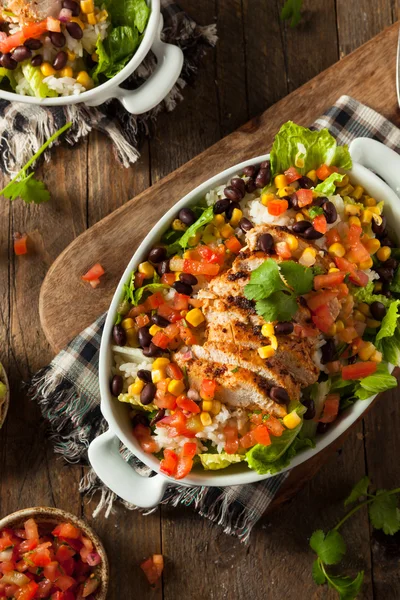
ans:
(120, 477)
(158, 85)
(378, 158)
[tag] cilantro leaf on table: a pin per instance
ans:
(278, 307)
(347, 588)
(291, 11)
(384, 512)
(299, 279)
(330, 548)
(317, 573)
(264, 281)
(359, 490)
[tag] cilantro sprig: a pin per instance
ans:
(330, 548)
(25, 185)
(291, 11)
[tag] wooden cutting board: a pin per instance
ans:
(368, 74)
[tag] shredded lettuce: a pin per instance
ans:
(306, 150)
(34, 77)
(151, 287)
(366, 294)
(328, 187)
(205, 218)
(134, 400)
(214, 462)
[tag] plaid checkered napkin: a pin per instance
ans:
(68, 391)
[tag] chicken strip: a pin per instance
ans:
(32, 10)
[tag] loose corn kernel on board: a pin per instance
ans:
(112, 241)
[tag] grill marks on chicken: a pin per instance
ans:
(32, 10)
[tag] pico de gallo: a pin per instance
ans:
(265, 310)
(43, 561)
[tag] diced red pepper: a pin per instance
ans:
(94, 273)
(20, 244)
(233, 245)
(323, 172)
(331, 408)
(320, 224)
(330, 280)
(304, 197)
(292, 175)
(277, 207)
(359, 370)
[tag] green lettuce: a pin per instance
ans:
(390, 348)
(214, 462)
(389, 322)
(115, 51)
(3, 390)
(272, 459)
(134, 13)
(328, 187)
(366, 294)
(150, 287)
(306, 150)
(395, 285)
(10, 76)
(34, 77)
(134, 400)
(380, 381)
(205, 218)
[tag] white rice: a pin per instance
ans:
(65, 86)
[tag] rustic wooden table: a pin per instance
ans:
(257, 61)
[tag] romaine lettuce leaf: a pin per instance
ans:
(214, 462)
(306, 150)
(258, 459)
(328, 187)
(204, 219)
(380, 381)
(151, 287)
(120, 46)
(133, 13)
(390, 348)
(10, 76)
(35, 78)
(366, 294)
(389, 322)
(103, 63)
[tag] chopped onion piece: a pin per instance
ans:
(65, 15)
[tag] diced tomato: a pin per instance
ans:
(359, 370)
(332, 236)
(320, 224)
(44, 588)
(90, 586)
(196, 267)
(139, 280)
(165, 400)
(193, 426)
(6, 566)
(143, 436)
(323, 172)
(320, 298)
(185, 465)
(360, 327)
(233, 245)
(20, 244)
(57, 596)
(67, 530)
(168, 279)
(40, 557)
(357, 277)
(261, 435)
(27, 592)
(142, 320)
(305, 331)
(155, 300)
(323, 318)
(65, 582)
(257, 418)
(247, 441)
(207, 389)
(283, 250)
(172, 330)
(348, 334)
(153, 567)
(274, 426)
(189, 449)
(6, 542)
(68, 566)
(176, 421)
(213, 255)
(331, 408)
(169, 313)
(330, 280)
(169, 462)
(304, 197)
(343, 291)
(11, 590)
(231, 439)
(174, 371)
(187, 404)
(277, 207)
(31, 530)
(52, 571)
(180, 302)
(292, 175)
(94, 273)
(161, 340)
(95, 283)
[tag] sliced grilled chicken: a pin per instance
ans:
(33, 10)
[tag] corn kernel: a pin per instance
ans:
(337, 249)
(132, 337)
(372, 245)
(154, 328)
(160, 363)
(291, 420)
(158, 375)
(219, 221)
(280, 181)
(47, 69)
(267, 330)
(66, 72)
(332, 330)
(71, 55)
(352, 210)
(363, 307)
(95, 57)
(376, 357)
(308, 258)
(375, 210)
(207, 405)
(358, 192)
(299, 217)
(195, 317)
(216, 407)
(366, 217)
(370, 202)
(274, 342)
(339, 326)
(102, 16)
(343, 183)
(383, 253)
(346, 190)
(366, 351)
(87, 6)
(333, 270)
(127, 323)
(176, 387)
(194, 240)
(359, 316)
(373, 324)
(135, 388)
(355, 221)
(183, 313)
(205, 419)
(91, 18)
(227, 231)
(84, 79)
(292, 242)
(265, 198)
(286, 191)
(178, 225)
(236, 216)
(266, 352)
(312, 175)
(146, 269)
(366, 264)
(378, 287)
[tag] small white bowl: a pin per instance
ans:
(104, 450)
(148, 95)
(4, 403)
(50, 515)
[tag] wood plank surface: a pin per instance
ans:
(257, 62)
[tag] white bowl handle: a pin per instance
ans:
(120, 477)
(378, 158)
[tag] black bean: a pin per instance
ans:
(144, 375)
(352, 360)
(312, 234)
(117, 383)
(119, 335)
(37, 60)
(182, 288)
(385, 275)
(379, 229)
(284, 328)
(144, 337)
(386, 290)
(152, 351)
(220, 206)
(159, 320)
(294, 202)
(21, 53)
(251, 186)
(231, 208)
(74, 30)
(163, 267)
(187, 216)
(265, 164)
(301, 226)
(330, 212)
(57, 38)
(60, 60)
(266, 243)
(305, 183)
(147, 394)
(157, 254)
(310, 406)
(328, 351)
(160, 415)
(245, 224)
(322, 427)
(8, 62)
(33, 44)
(263, 178)
(237, 182)
(233, 193)
(386, 241)
(390, 263)
(188, 279)
(279, 394)
(250, 171)
(72, 6)
(140, 419)
(319, 201)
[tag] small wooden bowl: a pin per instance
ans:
(4, 403)
(43, 514)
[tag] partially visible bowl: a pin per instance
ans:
(4, 400)
(44, 514)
